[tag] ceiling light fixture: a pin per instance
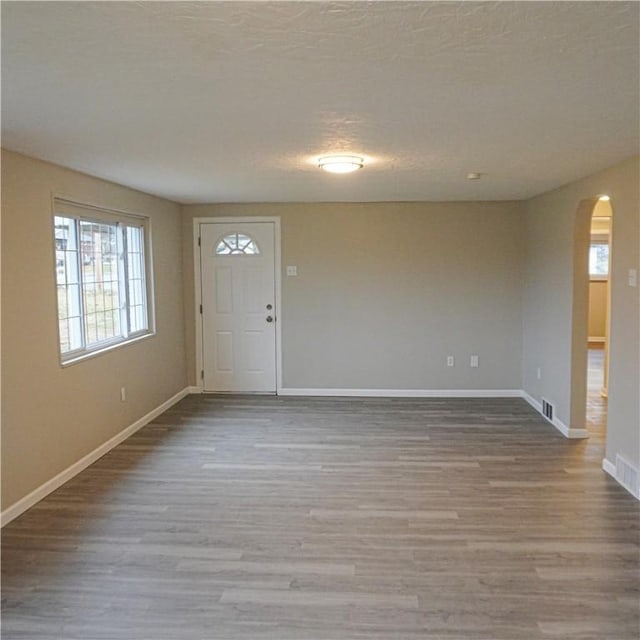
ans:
(474, 176)
(604, 198)
(340, 164)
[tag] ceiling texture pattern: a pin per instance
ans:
(234, 101)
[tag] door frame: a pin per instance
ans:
(197, 270)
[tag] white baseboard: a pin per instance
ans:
(611, 469)
(18, 508)
(404, 393)
(428, 393)
(566, 431)
(195, 389)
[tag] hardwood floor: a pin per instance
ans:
(270, 518)
(596, 403)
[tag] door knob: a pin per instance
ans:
(269, 319)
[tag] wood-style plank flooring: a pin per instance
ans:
(264, 518)
(596, 404)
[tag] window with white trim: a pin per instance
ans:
(102, 267)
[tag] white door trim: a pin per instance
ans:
(198, 289)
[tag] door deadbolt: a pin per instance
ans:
(269, 307)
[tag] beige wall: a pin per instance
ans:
(52, 417)
(548, 298)
(386, 291)
(597, 308)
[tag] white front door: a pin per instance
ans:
(237, 261)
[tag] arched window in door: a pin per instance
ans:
(237, 244)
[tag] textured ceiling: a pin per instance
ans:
(232, 101)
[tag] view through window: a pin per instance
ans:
(101, 282)
(599, 259)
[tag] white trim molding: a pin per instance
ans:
(566, 431)
(19, 507)
(609, 468)
(404, 393)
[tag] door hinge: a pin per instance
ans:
(202, 374)
(200, 309)
(199, 240)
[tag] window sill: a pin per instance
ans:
(111, 347)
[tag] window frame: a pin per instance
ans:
(79, 211)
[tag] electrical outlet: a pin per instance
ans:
(633, 277)
(292, 270)
(123, 394)
(473, 362)
(450, 361)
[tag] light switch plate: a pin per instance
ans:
(473, 362)
(292, 270)
(633, 277)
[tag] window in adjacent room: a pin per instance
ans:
(102, 278)
(599, 260)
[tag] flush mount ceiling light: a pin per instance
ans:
(474, 175)
(604, 198)
(340, 164)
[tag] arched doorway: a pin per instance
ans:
(591, 314)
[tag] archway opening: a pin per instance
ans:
(599, 317)
(591, 315)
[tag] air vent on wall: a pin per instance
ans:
(627, 475)
(547, 410)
